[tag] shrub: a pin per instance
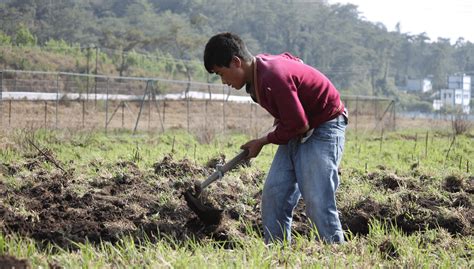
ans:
(24, 37)
(5, 39)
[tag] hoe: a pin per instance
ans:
(207, 214)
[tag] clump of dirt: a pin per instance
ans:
(388, 250)
(9, 262)
(183, 168)
(9, 169)
(453, 184)
(469, 186)
(462, 200)
(357, 218)
(213, 162)
(391, 182)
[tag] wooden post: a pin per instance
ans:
(45, 113)
(106, 105)
(426, 145)
(123, 114)
(223, 109)
(57, 101)
(141, 106)
(205, 112)
(357, 113)
(416, 142)
(149, 108)
(187, 109)
(195, 146)
(394, 116)
(164, 112)
(172, 145)
(83, 113)
(381, 141)
(96, 72)
(9, 112)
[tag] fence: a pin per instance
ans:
(62, 100)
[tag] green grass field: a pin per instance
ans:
(405, 198)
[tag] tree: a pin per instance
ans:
(24, 37)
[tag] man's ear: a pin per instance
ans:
(236, 61)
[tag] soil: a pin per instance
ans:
(63, 208)
(10, 262)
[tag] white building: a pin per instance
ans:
(419, 85)
(458, 94)
(459, 82)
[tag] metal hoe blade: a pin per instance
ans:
(207, 214)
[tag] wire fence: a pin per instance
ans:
(60, 100)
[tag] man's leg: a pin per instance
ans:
(317, 162)
(279, 198)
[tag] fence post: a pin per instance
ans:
(149, 106)
(87, 68)
(223, 109)
(9, 112)
(14, 82)
(205, 112)
(95, 77)
(123, 113)
(164, 113)
(45, 114)
(83, 113)
(57, 101)
(394, 116)
(357, 113)
(187, 108)
(106, 105)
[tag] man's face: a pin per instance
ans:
(233, 75)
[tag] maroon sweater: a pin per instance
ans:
(294, 93)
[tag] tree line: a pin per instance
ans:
(360, 57)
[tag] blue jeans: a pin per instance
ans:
(309, 170)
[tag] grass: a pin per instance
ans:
(366, 158)
(381, 248)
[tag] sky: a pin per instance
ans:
(438, 18)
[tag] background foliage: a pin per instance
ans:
(360, 57)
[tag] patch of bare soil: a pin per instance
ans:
(410, 209)
(10, 262)
(60, 208)
(131, 202)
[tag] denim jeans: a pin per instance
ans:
(310, 170)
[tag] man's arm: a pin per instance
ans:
(255, 146)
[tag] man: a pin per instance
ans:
(310, 124)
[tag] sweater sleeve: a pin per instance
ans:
(292, 117)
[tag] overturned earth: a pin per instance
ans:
(64, 207)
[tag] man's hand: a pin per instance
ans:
(255, 146)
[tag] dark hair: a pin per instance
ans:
(221, 48)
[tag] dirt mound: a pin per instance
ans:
(9, 262)
(183, 168)
(59, 208)
(412, 208)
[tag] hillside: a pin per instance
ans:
(359, 56)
